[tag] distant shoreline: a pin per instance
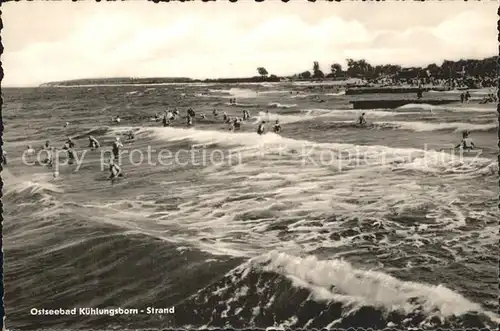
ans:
(456, 74)
(158, 81)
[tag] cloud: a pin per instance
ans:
(125, 42)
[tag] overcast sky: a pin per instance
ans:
(50, 41)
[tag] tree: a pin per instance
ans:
(317, 73)
(336, 69)
(262, 71)
(315, 66)
(305, 75)
(434, 71)
(361, 68)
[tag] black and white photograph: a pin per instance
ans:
(270, 165)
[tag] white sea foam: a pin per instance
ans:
(457, 108)
(337, 94)
(279, 105)
(272, 185)
(337, 280)
(425, 126)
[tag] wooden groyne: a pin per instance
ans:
(391, 104)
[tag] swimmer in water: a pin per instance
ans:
(130, 135)
(466, 143)
(28, 155)
(29, 151)
(224, 117)
(116, 148)
(262, 128)
(277, 127)
(165, 120)
(362, 120)
(46, 145)
(215, 113)
(70, 143)
(117, 119)
(68, 147)
(236, 124)
(51, 157)
(203, 116)
(93, 143)
(71, 155)
(114, 170)
(66, 125)
(467, 97)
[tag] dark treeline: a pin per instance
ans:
(466, 72)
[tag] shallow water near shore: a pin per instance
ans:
(323, 225)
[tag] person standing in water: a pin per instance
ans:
(71, 155)
(165, 120)
(93, 143)
(116, 148)
(362, 120)
(467, 97)
(70, 143)
(68, 147)
(236, 124)
(29, 153)
(419, 93)
(51, 156)
(277, 127)
(4, 157)
(114, 170)
(466, 143)
(262, 128)
(46, 146)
